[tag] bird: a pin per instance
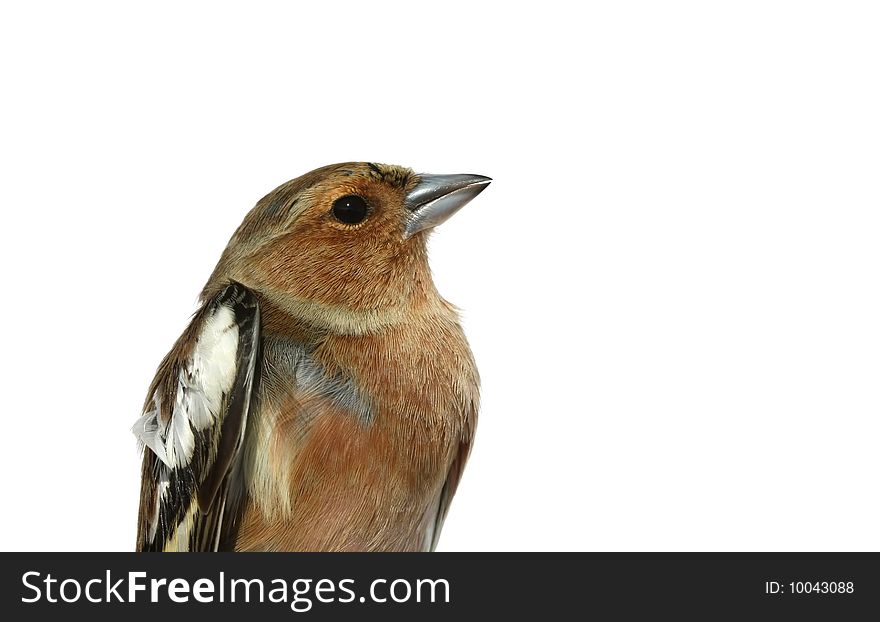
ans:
(323, 396)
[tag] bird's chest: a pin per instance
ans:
(359, 428)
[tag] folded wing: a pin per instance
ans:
(193, 427)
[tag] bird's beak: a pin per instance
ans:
(437, 197)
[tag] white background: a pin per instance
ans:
(671, 287)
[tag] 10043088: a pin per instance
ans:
(821, 587)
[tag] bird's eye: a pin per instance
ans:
(350, 209)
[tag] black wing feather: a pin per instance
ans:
(192, 503)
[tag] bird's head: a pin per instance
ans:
(344, 246)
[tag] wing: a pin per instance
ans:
(193, 427)
(435, 522)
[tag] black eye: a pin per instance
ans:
(350, 209)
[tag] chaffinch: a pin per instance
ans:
(324, 396)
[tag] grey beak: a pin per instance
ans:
(437, 197)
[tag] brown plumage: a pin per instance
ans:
(324, 397)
